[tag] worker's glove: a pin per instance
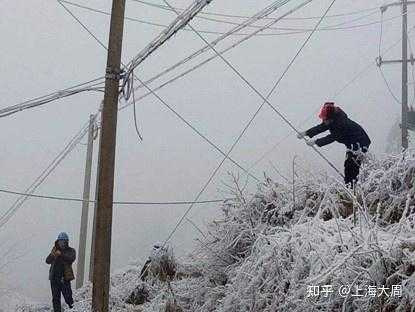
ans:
(311, 142)
(301, 135)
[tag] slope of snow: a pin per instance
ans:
(321, 248)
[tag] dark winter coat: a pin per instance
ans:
(343, 130)
(61, 266)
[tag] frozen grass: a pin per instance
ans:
(268, 251)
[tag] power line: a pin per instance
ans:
(165, 7)
(255, 90)
(71, 199)
(388, 87)
(206, 48)
(63, 93)
(291, 30)
(174, 27)
(197, 53)
(83, 25)
(382, 11)
(249, 123)
(168, 106)
(369, 66)
(60, 94)
(92, 85)
(5, 217)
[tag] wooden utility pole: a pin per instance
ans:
(80, 271)
(94, 222)
(102, 253)
(404, 61)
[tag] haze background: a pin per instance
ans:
(43, 49)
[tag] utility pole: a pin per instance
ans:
(85, 206)
(94, 224)
(102, 253)
(404, 61)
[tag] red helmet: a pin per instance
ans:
(326, 111)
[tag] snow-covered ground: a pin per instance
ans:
(10, 299)
(316, 246)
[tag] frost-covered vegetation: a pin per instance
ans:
(295, 248)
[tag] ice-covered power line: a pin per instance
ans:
(167, 8)
(261, 14)
(372, 64)
(132, 203)
(204, 62)
(265, 101)
(255, 90)
(181, 21)
(6, 216)
(128, 86)
(95, 85)
(280, 31)
(184, 19)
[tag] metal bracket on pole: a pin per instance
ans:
(380, 61)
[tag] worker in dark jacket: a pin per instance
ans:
(60, 273)
(343, 130)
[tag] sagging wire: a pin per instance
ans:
(260, 15)
(90, 86)
(183, 119)
(379, 58)
(180, 22)
(128, 73)
(265, 100)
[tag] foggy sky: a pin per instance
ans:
(43, 50)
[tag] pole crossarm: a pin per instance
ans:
(380, 61)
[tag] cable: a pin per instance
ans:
(199, 52)
(382, 10)
(292, 31)
(177, 114)
(165, 7)
(388, 87)
(140, 137)
(370, 65)
(331, 27)
(5, 217)
(92, 85)
(246, 127)
(61, 94)
(115, 202)
(179, 23)
(83, 25)
(259, 93)
(206, 48)
(381, 30)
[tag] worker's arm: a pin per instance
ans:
(325, 140)
(316, 130)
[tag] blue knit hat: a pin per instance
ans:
(63, 236)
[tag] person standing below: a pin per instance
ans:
(343, 130)
(61, 273)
